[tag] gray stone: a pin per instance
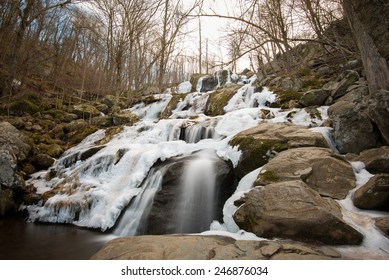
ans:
(294, 211)
(374, 194)
(353, 131)
(347, 79)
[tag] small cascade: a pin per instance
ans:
(196, 133)
(151, 111)
(136, 214)
(196, 209)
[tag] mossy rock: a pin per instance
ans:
(75, 126)
(54, 150)
(285, 97)
(176, 98)
(62, 115)
(102, 121)
(125, 118)
(194, 79)
(255, 153)
(22, 107)
(77, 136)
(109, 134)
(219, 99)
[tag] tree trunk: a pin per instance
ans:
(376, 67)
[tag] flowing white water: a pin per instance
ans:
(196, 209)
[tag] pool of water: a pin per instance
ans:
(20, 240)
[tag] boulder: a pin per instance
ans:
(375, 160)
(378, 111)
(109, 100)
(321, 169)
(353, 131)
(219, 99)
(263, 142)
(291, 83)
(315, 97)
(345, 80)
(208, 83)
(294, 211)
(102, 121)
(42, 161)
(183, 247)
(54, 151)
(374, 194)
(383, 225)
(103, 108)
(85, 111)
(125, 118)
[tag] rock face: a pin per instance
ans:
(207, 248)
(293, 210)
(13, 150)
(353, 131)
(319, 168)
(375, 160)
(374, 194)
(263, 142)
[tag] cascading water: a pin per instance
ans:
(196, 209)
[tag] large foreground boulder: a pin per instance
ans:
(293, 210)
(208, 248)
(263, 142)
(321, 169)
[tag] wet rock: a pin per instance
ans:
(6, 200)
(319, 168)
(219, 99)
(314, 97)
(263, 142)
(208, 83)
(375, 160)
(374, 194)
(163, 216)
(193, 247)
(353, 131)
(292, 210)
(383, 225)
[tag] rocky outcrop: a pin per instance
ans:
(353, 131)
(293, 210)
(319, 168)
(374, 194)
(263, 142)
(219, 99)
(345, 80)
(375, 160)
(208, 248)
(14, 149)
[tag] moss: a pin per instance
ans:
(312, 82)
(219, 99)
(255, 152)
(77, 136)
(109, 134)
(172, 105)
(21, 107)
(269, 176)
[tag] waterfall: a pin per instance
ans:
(196, 209)
(135, 216)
